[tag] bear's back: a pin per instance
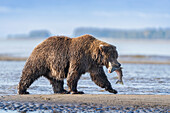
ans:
(57, 40)
(52, 44)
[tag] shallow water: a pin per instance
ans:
(138, 79)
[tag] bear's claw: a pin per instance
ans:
(62, 92)
(23, 93)
(112, 91)
(78, 92)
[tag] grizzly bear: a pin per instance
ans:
(60, 57)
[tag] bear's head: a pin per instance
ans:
(107, 56)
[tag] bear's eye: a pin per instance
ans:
(116, 54)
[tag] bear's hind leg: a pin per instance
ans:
(57, 85)
(25, 82)
(98, 76)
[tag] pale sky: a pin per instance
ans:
(61, 17)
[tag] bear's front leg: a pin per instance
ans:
(98, 76)
(72, 80)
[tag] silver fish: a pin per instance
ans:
(120, 75)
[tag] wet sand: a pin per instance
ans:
(86, 103)
(105, 99)
(9, 58)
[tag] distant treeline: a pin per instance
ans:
(32, 34)
(128, 34)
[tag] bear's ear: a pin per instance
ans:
(114, 47)
(102, 47)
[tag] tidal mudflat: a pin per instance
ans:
(138, 79)
(140, 82)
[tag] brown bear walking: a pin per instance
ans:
(60, 57)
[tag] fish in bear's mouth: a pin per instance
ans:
(118, 70)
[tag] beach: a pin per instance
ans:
(86, 103)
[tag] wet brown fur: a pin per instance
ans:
(61, 57)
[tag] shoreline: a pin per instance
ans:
(133, 59)
(9, 58)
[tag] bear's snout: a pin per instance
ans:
(113, 67)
